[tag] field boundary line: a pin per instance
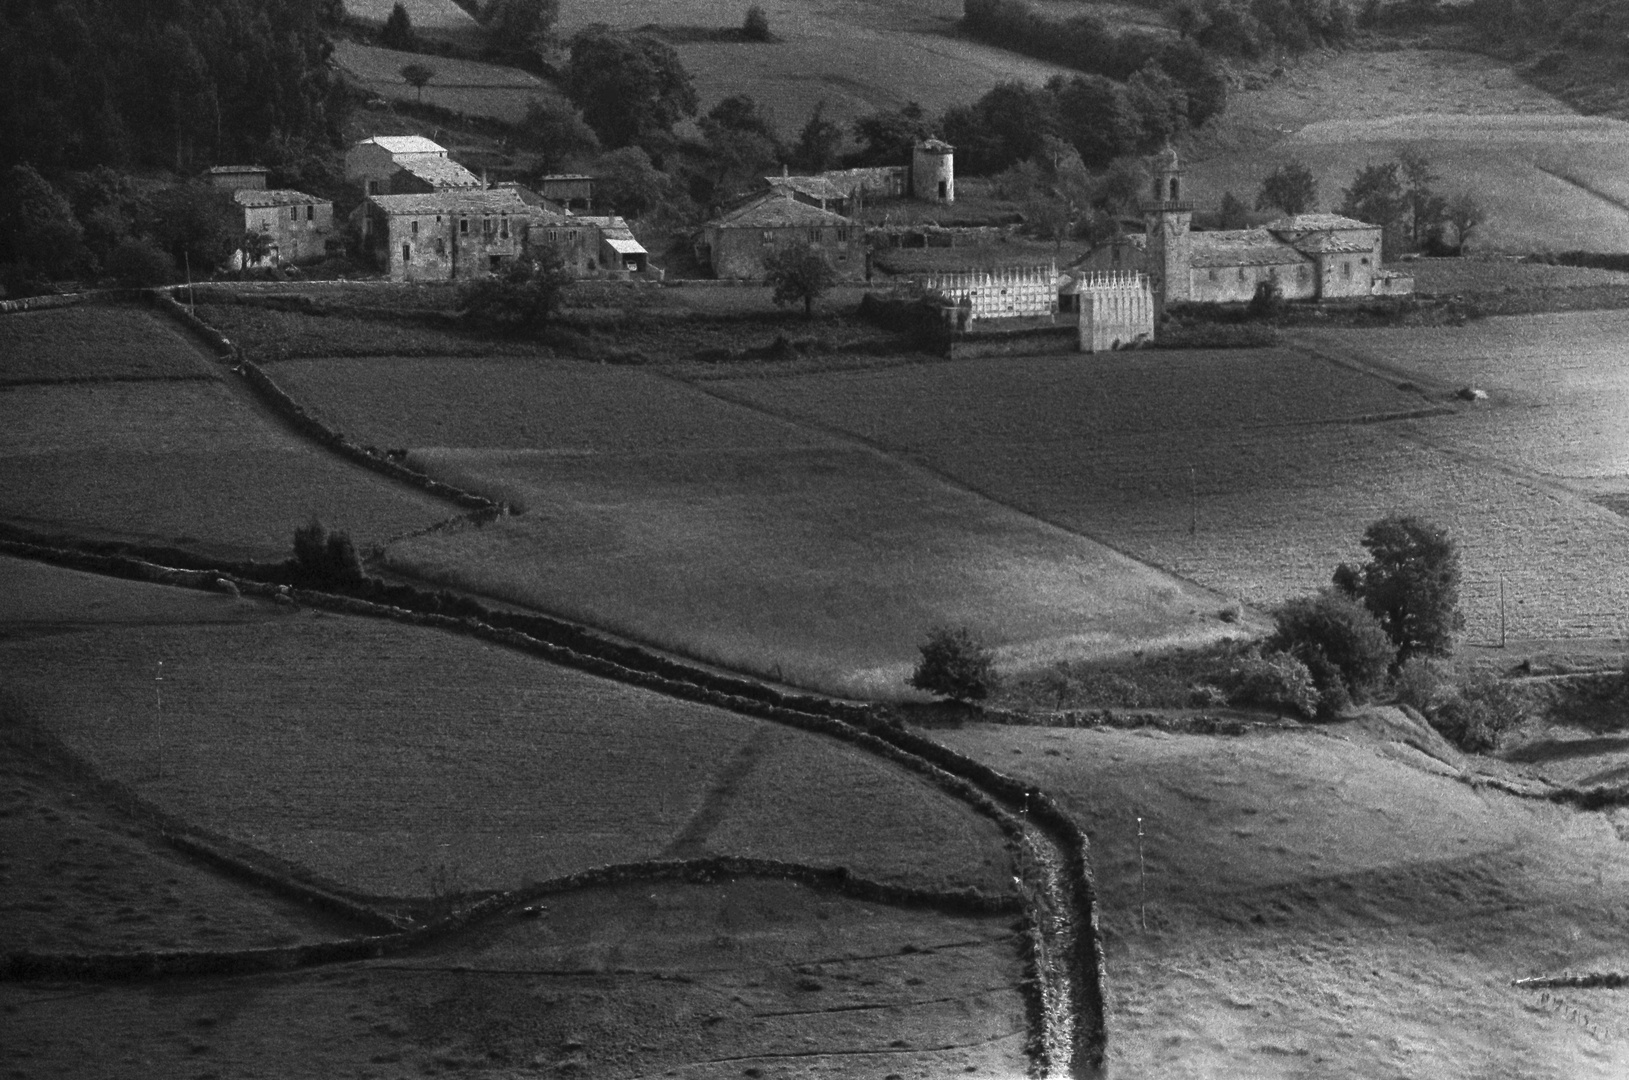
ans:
(1064, 954)
(28, 966)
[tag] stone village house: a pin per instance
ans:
(297, 226)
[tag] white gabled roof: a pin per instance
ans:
(625, 247)
(405, 144)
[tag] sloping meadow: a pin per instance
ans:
(670, 516)
(401, 761)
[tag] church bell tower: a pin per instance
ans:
(1167, 220)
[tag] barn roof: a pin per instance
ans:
(1242, 247)
(777, 210)
(236, 170)
(437, 171)
(815, 187)
(1332, 243)
(494, 201)
(405, 144)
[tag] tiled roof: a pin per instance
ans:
(1315, 223)
(815, 187)
(1332, 243)
(274, 197)
(406, 144)
(494, 201)
(565, 176)
(233, 170)
(937, 146)
(1242, 247)
(777, 211)
(437, 171)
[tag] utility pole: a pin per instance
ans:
(1142, 877)
(1501, 611)
(1193, 500)
(158, 731)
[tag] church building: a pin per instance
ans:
(1310, 256)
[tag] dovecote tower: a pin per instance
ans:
(1168, 219)
(933, 171)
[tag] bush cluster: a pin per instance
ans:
(324, 558)
(955, 665)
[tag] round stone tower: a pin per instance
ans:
(933, 171)
(1167, 218)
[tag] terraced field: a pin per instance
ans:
(88, 343)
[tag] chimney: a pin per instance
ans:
(484, 184)
(785, 170)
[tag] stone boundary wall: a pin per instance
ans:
(23, 966)
(306, 424)
(57, 300)
(862, 726)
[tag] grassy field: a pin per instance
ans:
(466, 86)
(1476, 277)
(1328, 904)
(426, 15)
(89, 342)
(194, 464)
(856, 56)
(1550, 179)
(822, 567)
(1247, 473)
(616, 983)
(390, 758)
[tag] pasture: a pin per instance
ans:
(436, 17)
(193, 464)
(643, 980)
(399, 761)
(1254, 473)
(96, 343)
(1333, 903)
(855, 56)
(466, 86)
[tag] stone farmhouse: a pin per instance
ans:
(405, 165)
(1310, 256)
(574, 191)
(460, 234)
(735, 243)
(820, 209)
(297, 226)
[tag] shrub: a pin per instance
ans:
(1423, 684)
(1341, 643)
(755, 27)
(140, 263)
(519, 299)
(1268, 301)
(1410, 583)
(955, 665)
(1275, 681)
(1477, 712)
(326, 559)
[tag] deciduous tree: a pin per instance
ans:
(1466, 215)
(521, 298)
(1376, 197)
(627, 87)
(525, 26)
(1410, 583)
(557, 133)
(955, 665)
(799, 272)
(755, 27)
(818, 142)
(418, 76)
(1291, 188)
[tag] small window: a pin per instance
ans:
(463, 226)
(310, 212)
(1241, 273)
(407, 253)
(1346, 269)
(414, 229)
(1365, 260)
(503, 228)
(441, 246)
(294, 213)
(265, 225)
(1214, 275)
(495, 263)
